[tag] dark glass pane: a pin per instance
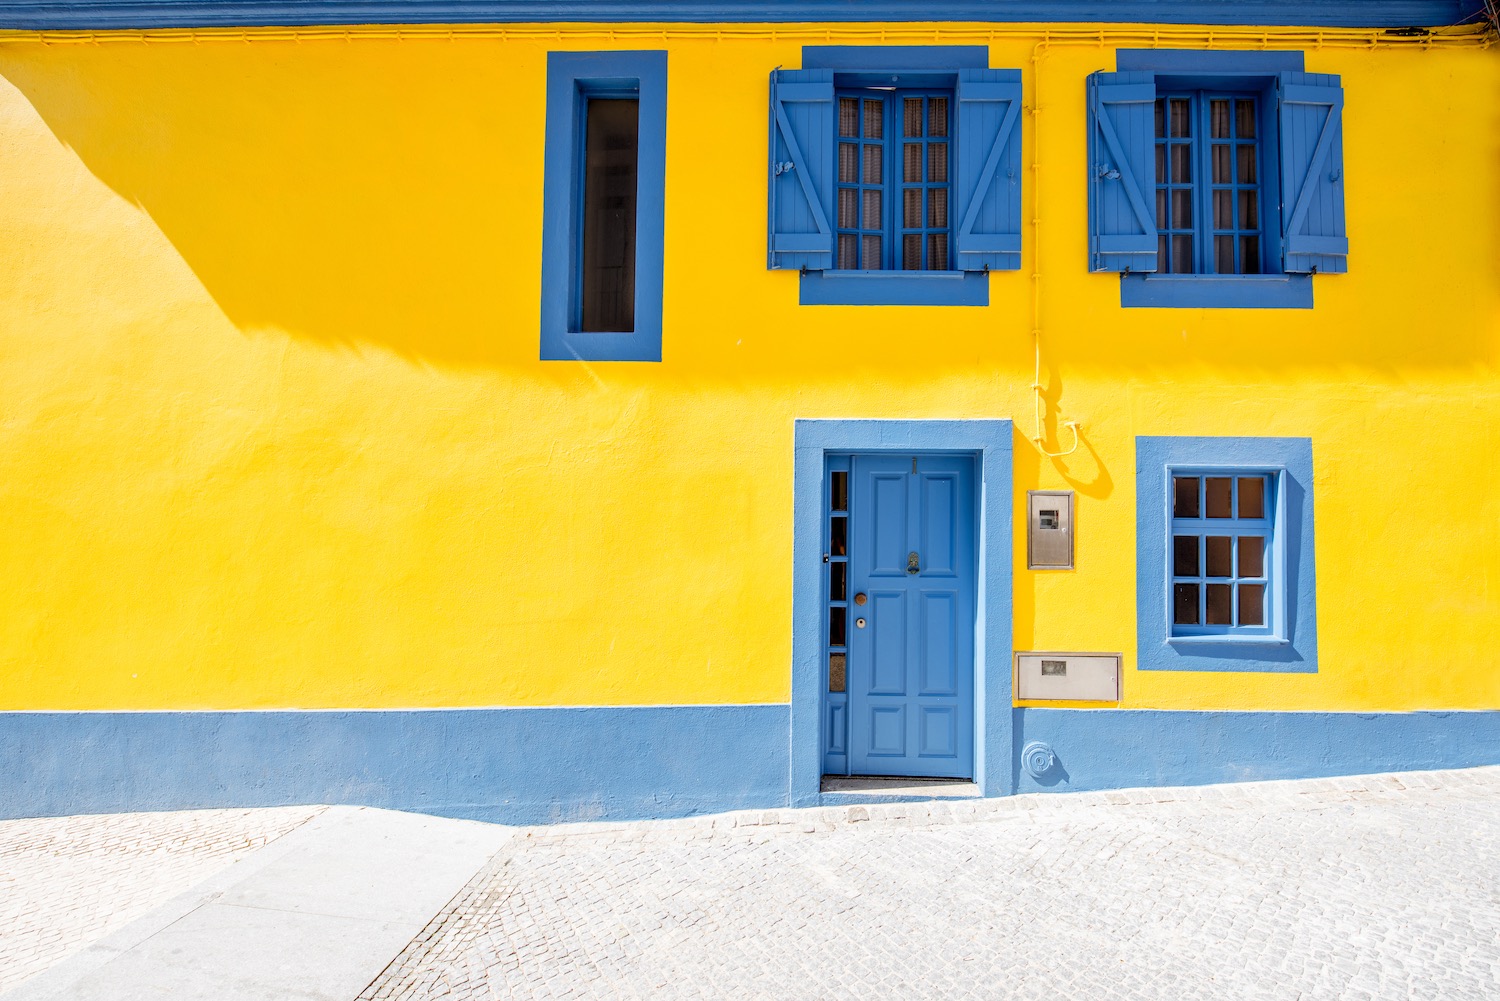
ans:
(838, 581)
(911, 208)
(839, 490)
(871, 214)
(848, 163)
(1219, 550)
(1161, 163)
(1217, 496)
(1223, 163)
(1184, 496)
(1185, 604)
(1163, 248)
(1162, 222)
(1161, 118)
(848, 246)
(607, 281)
(1181, 119)
(937, 116)
(937, 252)
(1182, 208)
(1252, 556)
(1220, 610)
(911, 252)
(1250, 255)
(874, 119)
(937, 162)
(1218, 119)
(836, 672)
(1184, 556)
(848, 116)
(1246, 156)
(1182, 255)
(1252, 496)
(874, 161)
(1223, 210)
(848, 208)
(1182, 164)
(912, 116)
(838, 536)
(870, 253)
(911, 163)
(837, 626)
(1224, 255)
(1249, 211)
(937, 207)
(1252, 604)
(1244, 113)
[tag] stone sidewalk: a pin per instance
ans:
(1363, 888)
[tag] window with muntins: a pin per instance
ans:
(1223, 551)
(1208, 203)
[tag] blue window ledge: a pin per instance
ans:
(1295, 647)
(1217, 291)
(895, 288)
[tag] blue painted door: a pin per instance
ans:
(911, 617)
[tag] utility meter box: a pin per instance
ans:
(1049, 529)
(1084, 677)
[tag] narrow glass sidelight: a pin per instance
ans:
(611, 158)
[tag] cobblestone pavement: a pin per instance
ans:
(1375, 887)
(68, 881)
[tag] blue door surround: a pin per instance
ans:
(989, 443)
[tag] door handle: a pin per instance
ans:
(911, 564)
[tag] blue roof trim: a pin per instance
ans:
(127, 14)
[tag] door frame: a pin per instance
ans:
(989, 441)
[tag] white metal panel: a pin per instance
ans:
(1085, 677)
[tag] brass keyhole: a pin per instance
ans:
(911, 564)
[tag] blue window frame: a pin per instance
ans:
(1228, 138)
(601, 242)
(1225, 555)
(895, 174)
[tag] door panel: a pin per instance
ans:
(911, 665)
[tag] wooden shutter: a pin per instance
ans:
(1310, 113)
(1122, 166)
(987, 170)
(801, 169)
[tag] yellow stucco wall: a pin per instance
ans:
(274, 433)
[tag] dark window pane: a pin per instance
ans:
(911, 208)
(848, 116)
(1246, 164)
(937, 252)
(1182, 255)
(873, 164)
(937, 162)
(607, 282)
(1220, 598)
(1184, 496)
(1182, 164)
(838, 536)
(1185, 555)
(848, 208)
(911, 252)
(911, 163)
(1252, 604)
(837, 626)
(1223, 164)
(937, 116)
(1181, 119)
(1245, 119)
(1162, 222)
(1250, 255)
(839, 490)
(1252, 496)
(1249, 212)
(849, 245)
(912, 116)
(838, 581)
(871, 214)
(1185, 604)
(1252, 556)
(848, 163)
(1224, 255)
(1219, 550)
(874, 119)
(937, 208)
(1182, 209)
(870, 253)
(1161, 163)
(836, 672)
(1217, 497)
(1163, 248)
(1218, 119)
(1161, 118)
(1223, 210)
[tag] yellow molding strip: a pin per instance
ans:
(1139, 36)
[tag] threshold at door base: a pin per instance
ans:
(839, 790)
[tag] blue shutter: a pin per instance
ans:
(987, 171)
(801, 170)
(1122, 168)
(1311, 119)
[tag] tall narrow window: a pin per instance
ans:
(1208, 211)
(607, 284)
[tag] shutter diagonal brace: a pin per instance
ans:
(991, 164)
(784, 126)
(1122, 166)
(1319, 158)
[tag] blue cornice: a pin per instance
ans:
(140, 14)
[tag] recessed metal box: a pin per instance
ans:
(1085, 677)
(1049, 529)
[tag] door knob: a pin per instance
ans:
(860, 598)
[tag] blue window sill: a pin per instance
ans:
(895, 288)
(1230, 638)
(1217, 291)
